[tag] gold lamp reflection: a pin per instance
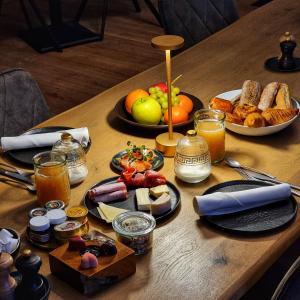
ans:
(167, 141)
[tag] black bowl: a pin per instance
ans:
(126, 117)
(16, 235)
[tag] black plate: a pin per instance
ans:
(25, 156)
(130, 202)
(126, 117)
(157, 163)
(262, 219)
(272, 64)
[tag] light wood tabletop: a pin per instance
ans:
(189, 260)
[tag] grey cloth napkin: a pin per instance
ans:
(42, 139)
(224, 203)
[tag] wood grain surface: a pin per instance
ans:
(189, 260)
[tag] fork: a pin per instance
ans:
(246, 176)
(16, 170)
(30, 188)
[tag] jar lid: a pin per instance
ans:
(191, 133)
(39, 223)
(56, 216)
(55, 204)
(68, 226)
(133, 223)
(37, 211)
(77, 212)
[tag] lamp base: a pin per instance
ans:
(166, 146)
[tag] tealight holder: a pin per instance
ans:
(286, 62)
(167, 141)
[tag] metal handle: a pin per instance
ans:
(257, 171)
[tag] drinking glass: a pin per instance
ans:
(209, 123)
(51, 177)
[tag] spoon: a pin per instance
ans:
(29, 187)
(16, 170)
(235, 164)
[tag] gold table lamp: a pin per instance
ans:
(167, 141)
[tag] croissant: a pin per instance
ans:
(255, 120)
(275, 116)
(243, 110)
(232, 118)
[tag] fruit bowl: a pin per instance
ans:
(126, 117)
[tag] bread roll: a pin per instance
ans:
(283, 99)
(251, 91)
(255, 120)
(268, 95)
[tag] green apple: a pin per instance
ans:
(146, 110)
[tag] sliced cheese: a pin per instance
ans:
(109, 212)
(161, 205)
(142, 199)
(157, 191)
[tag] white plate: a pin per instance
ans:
(260, 131)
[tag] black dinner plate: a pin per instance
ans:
(130, 202)
(157, 162)
(126, 117)
(264, 219)
(25, 156)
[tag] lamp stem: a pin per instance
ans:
(169, 85)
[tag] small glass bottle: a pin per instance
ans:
(192, 159)
(76, 161)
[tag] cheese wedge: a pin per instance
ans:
(142, 199)
(109, 212)
(157, 191)
(161, 205)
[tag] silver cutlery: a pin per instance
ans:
(235, 164)
(29, 187)
(247, 176)
(15, 170)
(16, 176)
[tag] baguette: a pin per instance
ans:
(283, 99)
(251, 91)
(268, 95)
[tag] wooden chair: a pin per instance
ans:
(22, 104)
(195, 20)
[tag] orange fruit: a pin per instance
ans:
(132, 96)
(179, 115)
(186, 103)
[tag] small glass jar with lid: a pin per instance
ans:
(76, 160)
(192, 159)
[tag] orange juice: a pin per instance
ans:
(51, 177)
(214, 133)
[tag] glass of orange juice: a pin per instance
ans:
(51, 177)
(209, 123)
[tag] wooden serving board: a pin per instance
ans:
(65, 264)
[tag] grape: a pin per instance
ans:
(152, 90)
(159, 93)
(164, 105)
(176, 90)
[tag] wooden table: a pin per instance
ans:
(190, 260)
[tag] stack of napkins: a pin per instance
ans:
(8, 243)
(108, 212)
(42, 139)
(224, 203)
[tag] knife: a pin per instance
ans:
(16, 176)
(267, 178)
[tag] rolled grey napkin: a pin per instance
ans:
(220, 203)
(42, 139)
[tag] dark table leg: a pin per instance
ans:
(136, 5)
(55, 11)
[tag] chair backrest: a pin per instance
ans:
(195, 20)
(22, 104)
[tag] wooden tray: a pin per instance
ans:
(65, 264)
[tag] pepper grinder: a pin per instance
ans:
(286, 62)
(7, 283)
(32, 284)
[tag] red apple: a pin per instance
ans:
(162, 85)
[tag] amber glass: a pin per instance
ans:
(51, 177)
(209, 124)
